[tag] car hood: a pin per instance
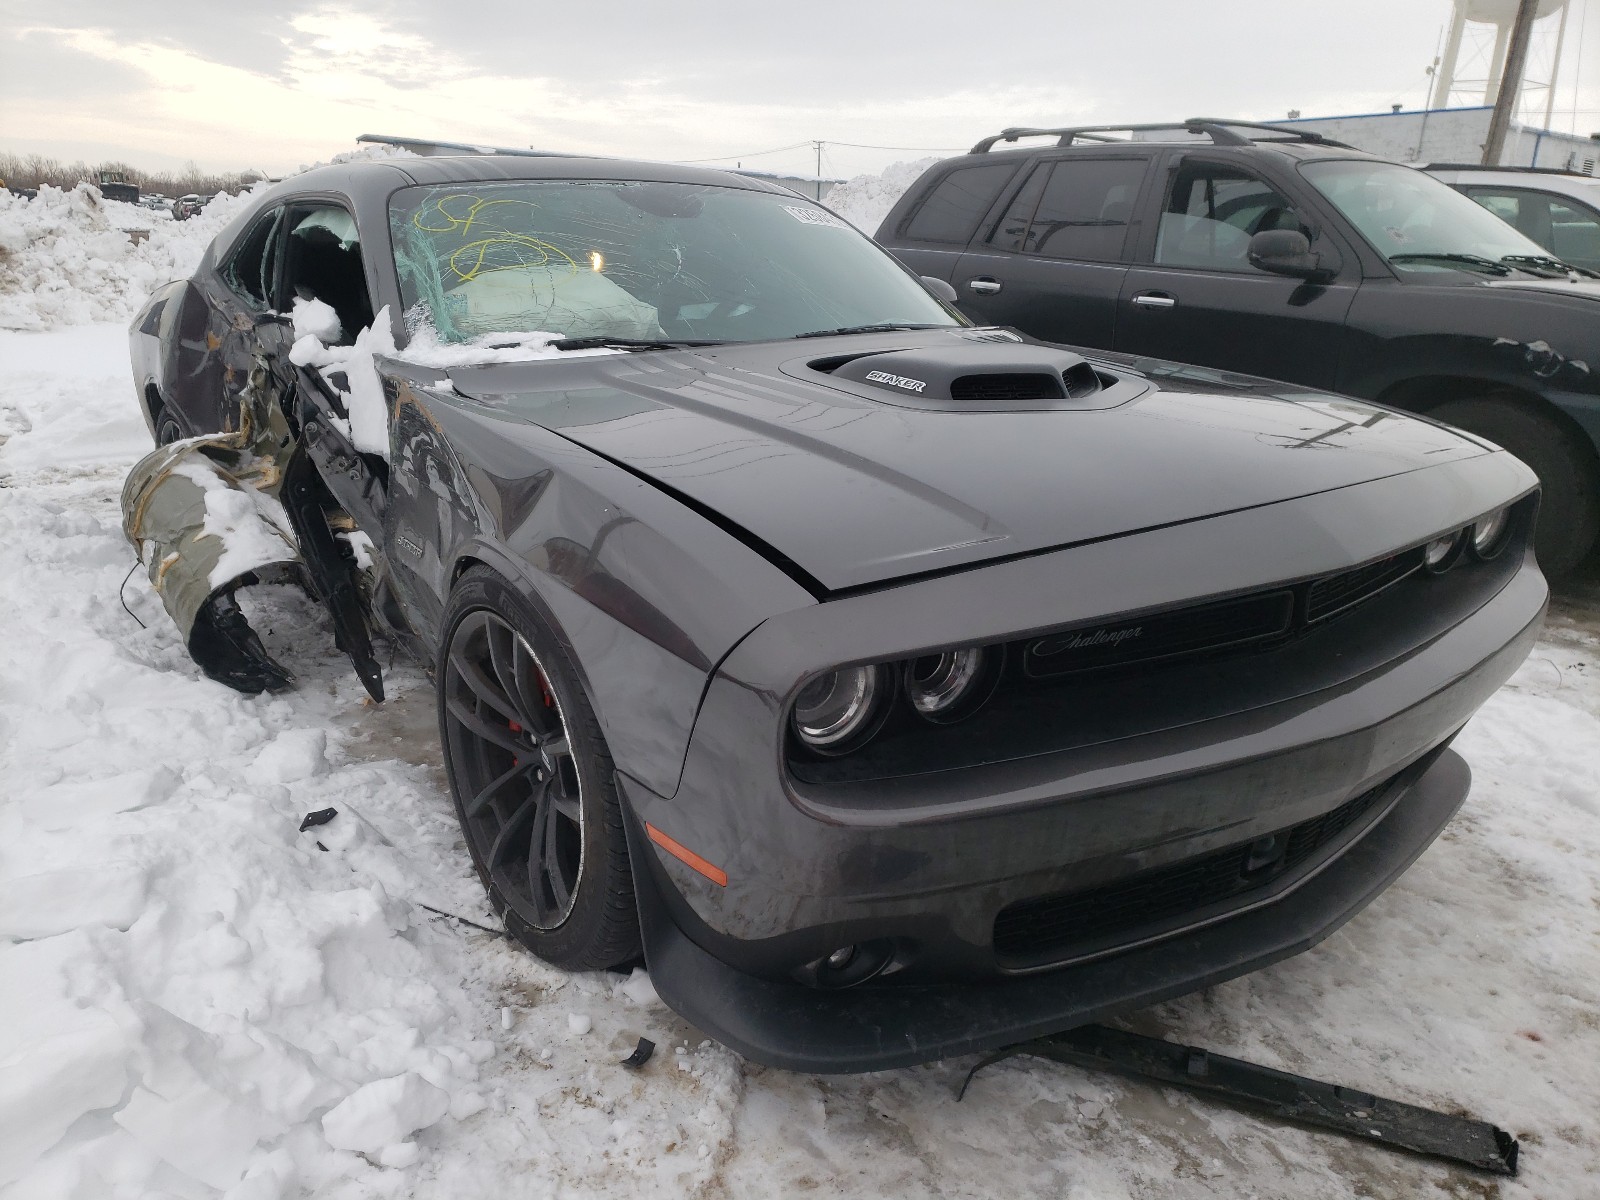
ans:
(855, 484)
(1586, 289)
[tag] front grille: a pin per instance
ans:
(1005, 389)
(1228, 624)
(1339, 592)
(1055, 927)
(1162, 635)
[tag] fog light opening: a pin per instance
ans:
(848, 965)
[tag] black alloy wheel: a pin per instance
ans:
(167, 428)
(532, 781)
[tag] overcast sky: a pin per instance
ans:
(273, 86)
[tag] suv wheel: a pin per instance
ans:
(532, 780)
(1569, 504)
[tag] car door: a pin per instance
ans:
(1563, 225)
(1194, 297)
(225, 313)
(322, 261)
(1053, 264)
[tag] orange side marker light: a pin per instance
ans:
(686, 855)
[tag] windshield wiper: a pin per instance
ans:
(883, 327)
(1470, 260)
(602, 342)
(1538, 262)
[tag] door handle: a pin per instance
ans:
(983, 285)
(1155, 300)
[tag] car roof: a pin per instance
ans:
(379, 175)
(1583, 187)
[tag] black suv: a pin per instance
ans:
(1279, 253)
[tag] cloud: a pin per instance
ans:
(276, 86)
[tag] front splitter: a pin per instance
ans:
(797, 1028)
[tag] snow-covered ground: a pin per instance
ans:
(197, 999)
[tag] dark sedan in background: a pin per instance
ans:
(900, 688)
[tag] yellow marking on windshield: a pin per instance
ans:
(459, 212)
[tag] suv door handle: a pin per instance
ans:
(1155, 300)
(983, 285)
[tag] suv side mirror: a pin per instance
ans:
(941, 290)
(1284, 252)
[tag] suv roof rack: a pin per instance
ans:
(1221, 132)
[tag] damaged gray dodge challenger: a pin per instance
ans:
(897, 688)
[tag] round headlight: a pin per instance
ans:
(1489, 536)
(836, 712)
(948, 686)
(1440, 554)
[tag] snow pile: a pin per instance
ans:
(316, 325)
(67, 258)
(197, 998)
(425, 349)
(865, 200)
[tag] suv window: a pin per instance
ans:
(1568, 231)
(1077, 208)
(1213, 211)
(952, 210)
(253, 263)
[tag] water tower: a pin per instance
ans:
(1475, 55)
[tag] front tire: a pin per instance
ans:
(167, 428)
(1569, 500)
(532, 780)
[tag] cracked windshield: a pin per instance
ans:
(641, 261)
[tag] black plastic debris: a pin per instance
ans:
(641, 1054)
(321, 817)
(1463, 1140)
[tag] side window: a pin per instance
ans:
(1011, 231)
(1212, 212)
(322, 261)
(1502, 204)
(250, 268)
(1085, 208)
(1575, 235)
(957, 203)
(1528, 211)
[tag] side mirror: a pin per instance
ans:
(1285, 252)
(940, 289)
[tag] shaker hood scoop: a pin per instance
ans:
(802, 452)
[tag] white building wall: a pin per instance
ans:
(1454, 135)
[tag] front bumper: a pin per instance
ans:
(797, 1028)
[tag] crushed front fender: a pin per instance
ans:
(204, 517)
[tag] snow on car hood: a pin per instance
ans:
(1587, 289)
(857, 492)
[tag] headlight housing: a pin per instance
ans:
(948, 686)
(1439, 555)
(837, 712)
(1490, 534)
